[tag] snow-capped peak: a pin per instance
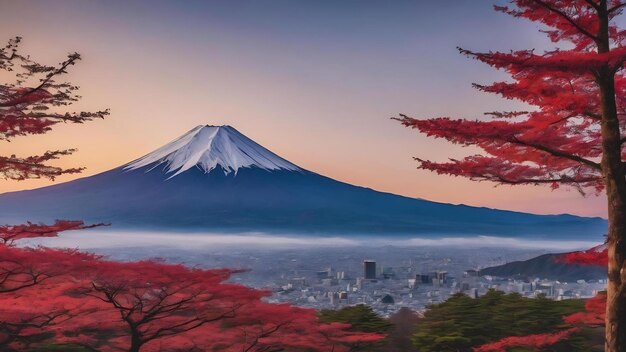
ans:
(208, 146)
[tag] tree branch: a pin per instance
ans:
(567, 18)
(593, 4)
(558, 153)
(502, 179)
(65, 64)
(616, 8)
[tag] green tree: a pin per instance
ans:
(361, 317)
(461, 323)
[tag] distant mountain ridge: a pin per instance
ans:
(547, 266)
(214, 178)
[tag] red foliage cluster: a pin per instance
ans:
(29, 316)
(25, 267)
(572, 21)
(10, 233)
(272, 327)
(594, 314)
(595, 256)
(534, 341)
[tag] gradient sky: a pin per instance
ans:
(313, 81)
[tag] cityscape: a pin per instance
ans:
(388, 289)
(398, 277)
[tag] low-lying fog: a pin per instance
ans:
(274, 260)
(94, 239)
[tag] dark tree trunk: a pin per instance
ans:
(135, 342)
(614, 177)
(614, 174)
(615, 183)
(616, 288)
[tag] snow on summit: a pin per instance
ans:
(208, 146)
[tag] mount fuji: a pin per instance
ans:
(213, 178)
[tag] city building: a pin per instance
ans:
(369, 269)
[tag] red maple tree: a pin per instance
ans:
(263, 327)
(573, 134)
(156, 300)
(153, 306)
(31, 104)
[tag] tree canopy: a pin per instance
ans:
(462, 323)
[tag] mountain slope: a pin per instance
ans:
(216, 179)
(547, 267)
